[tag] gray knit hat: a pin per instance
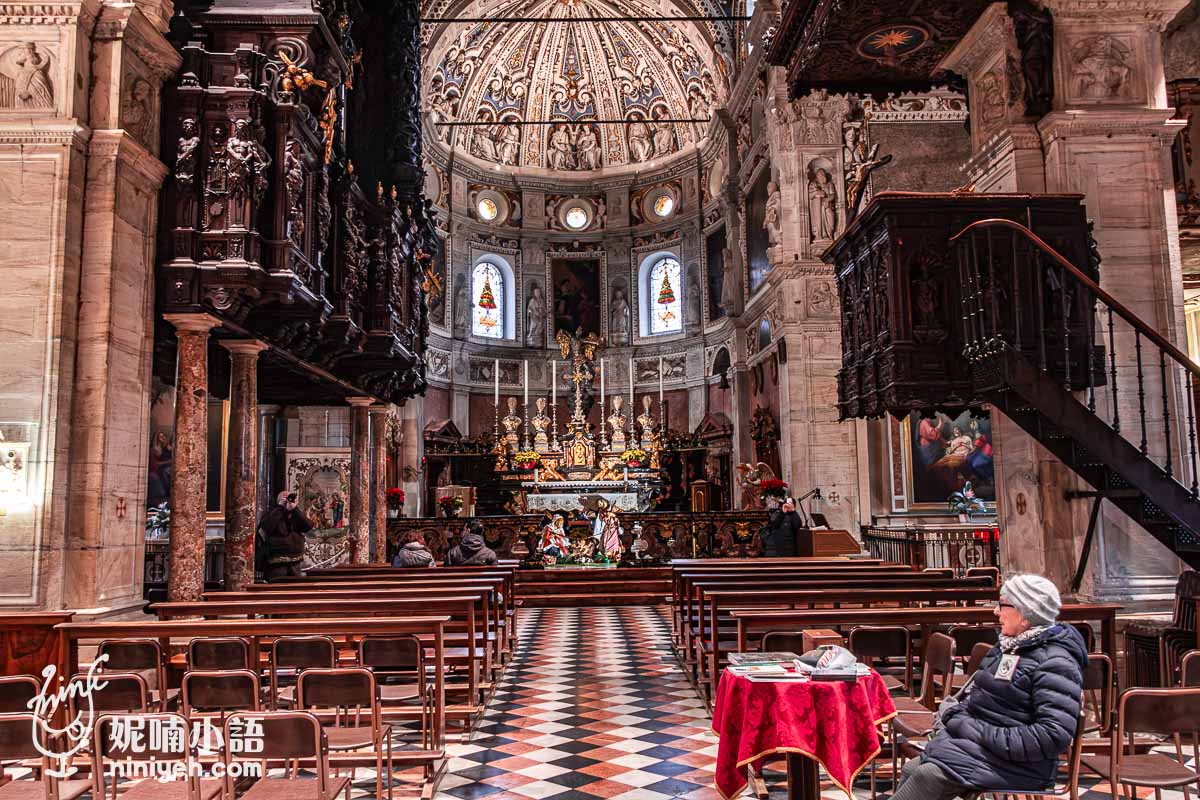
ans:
(1034, 597)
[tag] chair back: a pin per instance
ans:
(285, 735)
(218, 652)
(116, 693)
(1089, 635)
(783, 642)
(978, 653)
(158, 738)
(875, 645)
(135, 655)
(1098, 693)
(347, 691)
(222, 691)
(967, 636)
(937, 662)
(1189, 669)
(1187, 589)
(390, 653)
(985, 572)
(16, 691)
(16, 740)
(1171, 713)
(303, 652)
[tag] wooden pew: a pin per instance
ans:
(433, 760)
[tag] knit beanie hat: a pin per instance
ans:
(1034, 597)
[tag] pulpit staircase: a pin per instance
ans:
(1083, 375)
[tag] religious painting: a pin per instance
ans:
(714, 253)
(576, 294)
(437, 293)
(162, 443)
(757, 239)
(322, 487)
(944, 453)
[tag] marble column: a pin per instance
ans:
(378, 499)
(241, 463)
(268, 416)
(412, 455)
(360, 455)
(189, 481)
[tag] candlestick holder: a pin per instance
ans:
(498, 449)
(554, 445)
(603, 426)
(526, 444)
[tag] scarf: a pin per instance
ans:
(1010, 644)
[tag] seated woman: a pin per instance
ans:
(1018, 712)
(413, 552)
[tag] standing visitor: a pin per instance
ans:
(282, 531)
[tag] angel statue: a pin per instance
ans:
(750, 478)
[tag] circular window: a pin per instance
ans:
(664, 205)
(659, 202)
(576, 218)
(488, 210)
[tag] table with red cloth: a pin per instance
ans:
(833, 723)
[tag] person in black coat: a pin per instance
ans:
(472, 551)
(1018, 712)
(282, 531)
(779, 534)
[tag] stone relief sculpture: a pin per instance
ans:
(560, 150)
(459, 308)
(1102, 66)
(587, 148)
(774, 213)
(992, 102)
(822, 197)
(664, 138)
(509, 149)
(618, 323)
(185, 153)
(136, 118)
(641, 145)
(484, 145)
(535, 318)
(33, 88)
(693, 295)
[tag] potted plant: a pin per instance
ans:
(774, 491)
(450, 505)
(395, 499)
(635, 457)
(526, 460)
(965, 503)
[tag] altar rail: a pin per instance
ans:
(668, 534)
(957, 547)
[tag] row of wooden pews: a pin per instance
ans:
(721, 607)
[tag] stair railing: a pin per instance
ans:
(1021, 293)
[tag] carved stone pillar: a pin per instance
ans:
(378, 499)
(360, 464)
(412, 454)
(268, 416)
(189, 481)
(241, 464)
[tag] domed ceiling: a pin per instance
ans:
(642, 72)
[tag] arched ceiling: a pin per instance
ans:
(499, 72)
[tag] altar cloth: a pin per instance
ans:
(569, 501)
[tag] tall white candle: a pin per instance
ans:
(660, 381)
(526, 382)
(553, 383)
(602, 383)
(631, 403)
(496, 372)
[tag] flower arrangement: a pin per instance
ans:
(450, 505)
(158, 524)
(964, 501)
(773, 487)
(395, 498)
(526, 459)
(635, 457)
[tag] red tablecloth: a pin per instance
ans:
(833, 723)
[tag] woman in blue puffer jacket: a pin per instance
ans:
(1019, 711)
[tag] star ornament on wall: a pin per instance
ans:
(893, 42)
(891, 39)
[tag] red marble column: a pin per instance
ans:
(379, 425)
(241, 463)
(189, 481)
(360, 461)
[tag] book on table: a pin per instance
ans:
(748, 659)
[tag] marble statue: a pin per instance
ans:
(535, 318)
(618, 323)
(509, 148)
(773, 214)
(731, 283)
(587, 148)
(618, 422)
(641, 146)
(560, 153)
(821, 199)
(540, 422)
(511, 425)
(664, 139)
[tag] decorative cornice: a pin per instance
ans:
(1110, 122)
(1156, 13)
(992, 33)
(83, 13)
(130, 152)
(129, 24)
(16, 128)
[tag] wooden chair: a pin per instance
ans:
(17, 746)
(290, 736)
(1088, 634)
(914, 717)
(125, 693)
(220, 691)
(1153, 648)
(143, 656)
(1173, 713)
(1097, 699)
(219, 652)
(292, 654)
(347, 693)
(1189, 669)
(783, 642)
(398, 663)
(171, 746)
(16, 691)
(1070, 784)
(876, 645)
(984, 572)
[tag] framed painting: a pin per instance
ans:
(576, 294)
(943, 453)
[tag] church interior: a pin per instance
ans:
(627, 399)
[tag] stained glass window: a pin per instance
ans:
(487, 308)
(488, 209)
(665, 293)
(664, 205)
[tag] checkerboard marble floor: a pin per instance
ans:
(595, 705)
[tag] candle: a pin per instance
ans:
(602, 383)
(553, 384)
(631, 403)
(496, 372)
(660, 381)
(527, 383)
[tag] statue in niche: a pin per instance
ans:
(821, 200)
(693, 296)
(509, 148)
(485, 138)
(664, 135)
(510, 423)
(560, 153)
(774, 211)
(540, 422)
(1102, 65)
(185, 153)
(535, 318)
(731, 283)
(459, 309)
(618, 422)
(587, 148)
(33, 87)
(618, 323)
(135, 117)
(641, 146)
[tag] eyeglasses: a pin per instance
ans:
(1003, 604)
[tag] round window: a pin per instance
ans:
(664, 205)
(488, 210)
(576, 218)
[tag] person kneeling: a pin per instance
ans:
(1018, 712)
